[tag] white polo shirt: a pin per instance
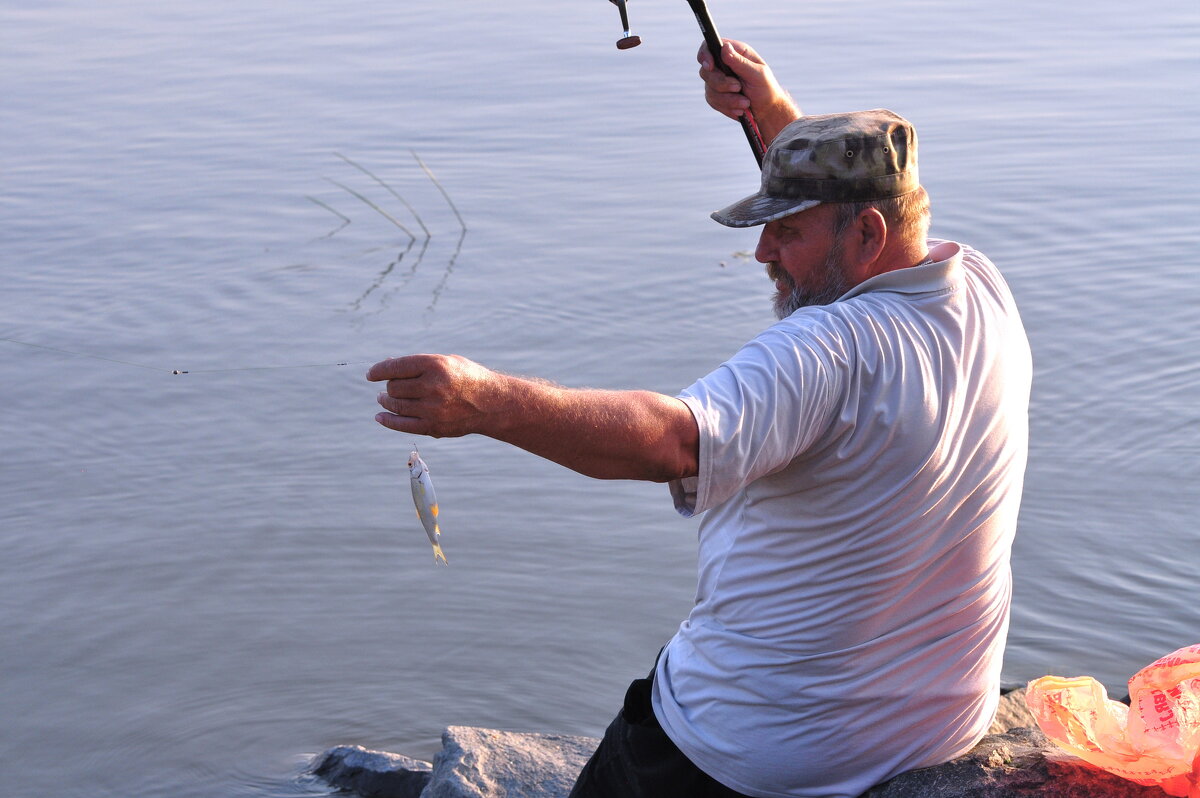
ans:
(861, 467)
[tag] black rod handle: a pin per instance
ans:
(713, 40)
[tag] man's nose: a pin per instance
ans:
(766, 251)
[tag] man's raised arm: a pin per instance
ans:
(602, 434)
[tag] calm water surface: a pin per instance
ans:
(208, 577)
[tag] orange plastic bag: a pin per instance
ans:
(1155, 740)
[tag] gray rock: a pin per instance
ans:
(1013, 761)
(1013, 713)
(1021, 762)
(373, 774)
(485, 763)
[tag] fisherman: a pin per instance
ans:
(859, 465)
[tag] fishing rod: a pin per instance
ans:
(713, 40)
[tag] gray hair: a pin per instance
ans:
(908, 215)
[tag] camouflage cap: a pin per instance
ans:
(851, 157)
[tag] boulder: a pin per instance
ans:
(1012, 713)
(473, 763)
(372, 774)
(485, 763)
(1015, 760)
(1021, 762)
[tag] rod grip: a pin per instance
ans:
(713, 40)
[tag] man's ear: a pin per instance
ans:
(865, 240)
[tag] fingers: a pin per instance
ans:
(409, 388)
(399, 368)
(436, 395)
(740, 53)
(738, 56)
(406, 398)
(412, 426)
(400, 407)
(741, 48)
(724, 92)
(718, 81)
(403, 415)
(730, 103)
(403, 376)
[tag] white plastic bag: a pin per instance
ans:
(1154, 741)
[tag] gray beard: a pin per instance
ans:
(833, 286)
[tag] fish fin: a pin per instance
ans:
(438, 556)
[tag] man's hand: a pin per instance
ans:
(754, 88)
(442, 396)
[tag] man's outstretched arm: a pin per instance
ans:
(602, 434)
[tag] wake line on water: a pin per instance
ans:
(412, 238)
(380, 279)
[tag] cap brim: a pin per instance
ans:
(760, 209)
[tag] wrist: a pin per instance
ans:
(775, 116)
(516, 406)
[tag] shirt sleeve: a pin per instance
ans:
(762, 408)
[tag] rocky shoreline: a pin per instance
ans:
(1014, 759)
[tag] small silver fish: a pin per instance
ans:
(426, 501)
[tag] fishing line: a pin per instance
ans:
(82, 354)
(269, 368)
(90, 356)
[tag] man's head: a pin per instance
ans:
(840, 201)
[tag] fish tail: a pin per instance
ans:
(438, 556)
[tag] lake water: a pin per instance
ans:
(208, 577)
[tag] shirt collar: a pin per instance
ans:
(941, 271)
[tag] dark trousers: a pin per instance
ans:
(636, 759)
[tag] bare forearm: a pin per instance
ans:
(603, 434)
(775, 116)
